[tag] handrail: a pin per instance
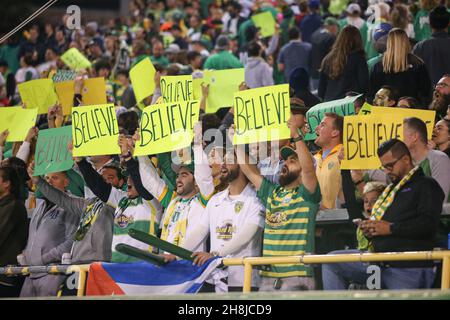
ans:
(249, 262)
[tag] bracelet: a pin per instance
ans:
(299, 138)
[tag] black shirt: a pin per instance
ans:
(354, 77)
(415, 215)
(322, 41)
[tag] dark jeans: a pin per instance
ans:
(338, 276)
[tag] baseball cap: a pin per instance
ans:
(353, 8)
(286, 152)
(187, 166)
(173, 48)
(381, 30)
(331, 21)
(315, 4)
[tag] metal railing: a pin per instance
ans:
(250, 262)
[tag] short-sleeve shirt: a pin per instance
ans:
(289, 226)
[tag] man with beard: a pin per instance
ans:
(185, 204)
(441, 97)
(234, 220)
(50, 235)
(291, 208)
(404, 218)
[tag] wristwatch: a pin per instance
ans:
(299, 138)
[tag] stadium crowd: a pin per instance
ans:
(391, 54)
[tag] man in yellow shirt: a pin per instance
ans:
(329, 138)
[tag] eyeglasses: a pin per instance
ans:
(389, 166)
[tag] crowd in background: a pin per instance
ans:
(391, 54)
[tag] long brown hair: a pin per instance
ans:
(348, 41)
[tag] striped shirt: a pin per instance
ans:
(289, 227)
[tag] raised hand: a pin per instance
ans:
(3, 137)
(32, 133)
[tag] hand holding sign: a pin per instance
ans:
(30, 171)
(32, 133)
(3, 137)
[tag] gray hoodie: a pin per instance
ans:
(50, 234)
(258, 73)
(96, 218)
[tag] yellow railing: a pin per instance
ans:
(250, 262)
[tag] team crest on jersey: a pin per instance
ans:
(330, 165)
(225, 232)
(238, 206)
(123, 221)
(276, 219)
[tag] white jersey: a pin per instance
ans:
(226, 217)
(138, 214)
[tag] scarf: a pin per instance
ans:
(388, 196)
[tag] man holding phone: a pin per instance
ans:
(404, 218)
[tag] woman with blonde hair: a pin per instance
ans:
(344, 68)
(401, 69)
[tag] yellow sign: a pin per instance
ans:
(261, 114)
(38, 94)
(177, 88)
(94, 91)
(95, 131)
(223, 84)
(365, 109)
(142, 78)
(265, 22)
(426, 116)
(75, 60)
(65, 91)
(364, 134)
(17, 121)
(167, 127)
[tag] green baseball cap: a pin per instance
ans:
(287, 151)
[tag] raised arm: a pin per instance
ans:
(94, 180)
(74, 205)
(202, 172)
(309, 178)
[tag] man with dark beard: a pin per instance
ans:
(234, 220)
(441, 97)
(291, 209)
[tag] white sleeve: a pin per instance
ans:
(203, 173)
(197, 236)
(150, 178)
(156, 95)
(253, 222)
(240, 239)
(115, 196)
(273, 44)
(24, 151)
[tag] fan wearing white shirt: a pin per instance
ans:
(234, 220)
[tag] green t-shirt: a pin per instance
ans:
(422, 29)
(222, 60)
(372, 62)
(289, 227)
